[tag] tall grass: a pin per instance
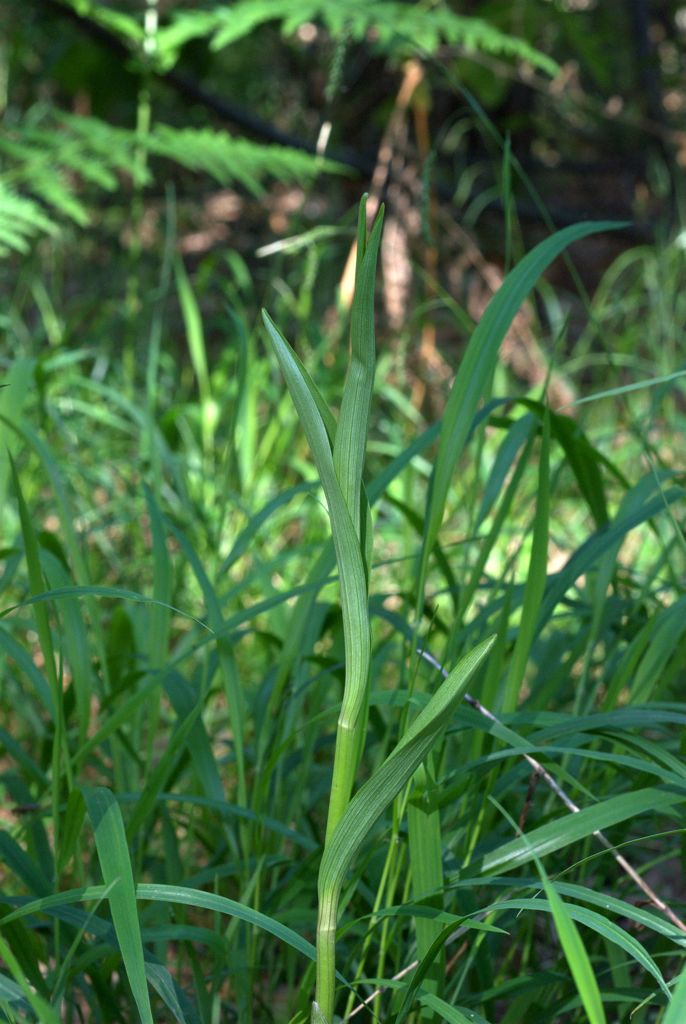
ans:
(291, 729)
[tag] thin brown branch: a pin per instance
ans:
(545, 776)
(540, 771)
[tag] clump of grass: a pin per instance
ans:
(240, 782)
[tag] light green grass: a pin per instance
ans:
(233, 788)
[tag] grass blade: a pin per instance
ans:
(536, 577)
(555, 835)
(351, 432)
(676, 1011)
(426, 865)
(570, 940)
(195, 336)
(477, 367)
(45, 1013)
(594, 921)
(369, 803)
(113, 854)
(575, 954)
(352, 575)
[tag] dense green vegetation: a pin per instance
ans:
(343, 625)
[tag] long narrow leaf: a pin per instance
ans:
(575, 954)
(477, 367)
(536, 577)
(593, 920)
(351, 432)
(352, 579)
(555, 835)
(676, 1011)
(369, 803)
(113, 854)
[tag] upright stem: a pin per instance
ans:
(339, 451)
(140, 165)
(326, 959)
(348, 460)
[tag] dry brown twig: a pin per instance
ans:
(394, 133)
(554, 786)
(550, 782)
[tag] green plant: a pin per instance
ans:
(183, 620)
(49, 157)
(339, 453)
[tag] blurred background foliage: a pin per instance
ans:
(113, 98)
(480, 124)
(166, 169)
(239, 137)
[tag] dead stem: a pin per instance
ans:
(541, 773)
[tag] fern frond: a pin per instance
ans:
(244, 17)
(44, 160)
(126, 26)
(229, 160)
(101, 152)
(21, 220)
(185, 26)
(398, 27)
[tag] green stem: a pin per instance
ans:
(326, 959)
(344, 767)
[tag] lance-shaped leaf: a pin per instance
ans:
(369, 803)
(353, 423)
(115, 863)
(477, 367)
(351, 573)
